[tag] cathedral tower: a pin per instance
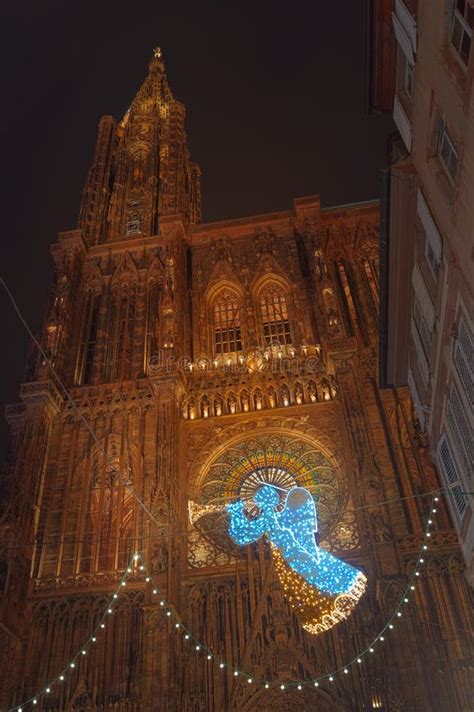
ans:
(182, 364)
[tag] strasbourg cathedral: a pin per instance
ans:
(198, 360)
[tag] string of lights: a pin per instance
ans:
(224, 665)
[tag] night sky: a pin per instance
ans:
(276, 109)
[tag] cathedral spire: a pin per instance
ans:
(142, 168)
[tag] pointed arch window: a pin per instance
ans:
(89, 338)
(152, 325)
(121, 334)
(108, 542)
(227, 328)
(274, 311)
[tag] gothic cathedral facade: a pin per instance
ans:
(199, 359)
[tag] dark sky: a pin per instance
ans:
(276, 109)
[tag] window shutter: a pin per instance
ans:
(403, 40)
(402, 123)
(407, 21)
(464, 360)
(460, 429)
(448, 466)
(416, 399)
(431, 231)
(422, 360)
(423, 297)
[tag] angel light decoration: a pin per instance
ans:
(322, 589)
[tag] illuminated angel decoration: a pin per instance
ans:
(321, 588)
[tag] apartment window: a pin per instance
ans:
(461, 30)
(431, 258)
(227, 334)
(460, 429)
(419, 408)
(274, 310)
(409, 82)
(433, 243)
(447, 152)
(422, 327)
(451, 475)
(464, 359)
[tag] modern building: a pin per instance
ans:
(183, 364)
(428, 242)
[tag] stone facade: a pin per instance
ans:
(190, 351)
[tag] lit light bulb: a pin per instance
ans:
(168, 613)
(124, 583)
(93, 639)
(209, 657)
(115, 595)
(282, 687)
(391, 626)
(221, 665)
(382, 638)
(83, 652)
(346, 671)
(267, 685)
(371, 650)
(136, 557)
(249, 680)
(155, 591)
(235, 673)
(176, 625)
(141, 567)
(399, 614)
(316, 684)
(148, 579)
(299, 687)
(48, 689)
(406, 600)
(109, 610)
(331, 679)
(198, 647)
(61, 677)
(359, 660)
(102, 625)
(73, 665)
(186, 637)
(162, 603)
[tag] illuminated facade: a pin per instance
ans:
(203, 359)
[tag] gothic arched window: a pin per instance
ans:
(108, 541)
(152, 325)
(121, 334)
(274, 312)
(226, 317)
(89, 333)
